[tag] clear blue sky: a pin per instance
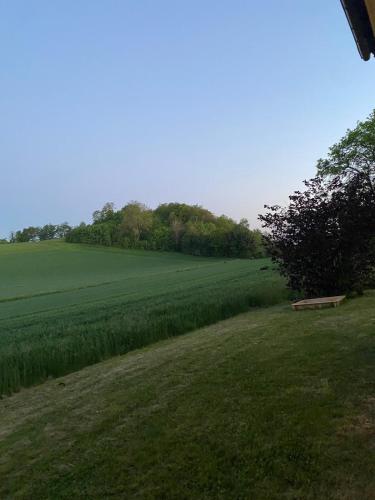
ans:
(224, 103)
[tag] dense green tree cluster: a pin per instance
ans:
(170, 227)
(47, 232)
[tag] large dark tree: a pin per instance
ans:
(324, 240)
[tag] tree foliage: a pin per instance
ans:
(47, 232)
(324, 240)
(170, 227)
(354, 154)
(136, 222)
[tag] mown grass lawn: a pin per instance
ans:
(270, 404)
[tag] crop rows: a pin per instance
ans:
(53, 342)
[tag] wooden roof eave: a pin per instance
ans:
(361, 18)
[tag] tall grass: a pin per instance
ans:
(39, 347)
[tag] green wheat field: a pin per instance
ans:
(66, 306)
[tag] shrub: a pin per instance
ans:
(324, 240)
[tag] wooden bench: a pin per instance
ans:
(318, 303)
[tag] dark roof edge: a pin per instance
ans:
(359, 21)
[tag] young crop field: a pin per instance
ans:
(65, 306)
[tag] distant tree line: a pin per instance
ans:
(33, 233)
(175, 227)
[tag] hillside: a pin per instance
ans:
(270, 404)
(29, 270)
(65, 306)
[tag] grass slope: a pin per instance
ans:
(64, 306)
(30, 269)
(271, 404)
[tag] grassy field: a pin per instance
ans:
(272, 404)
(65, 306)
